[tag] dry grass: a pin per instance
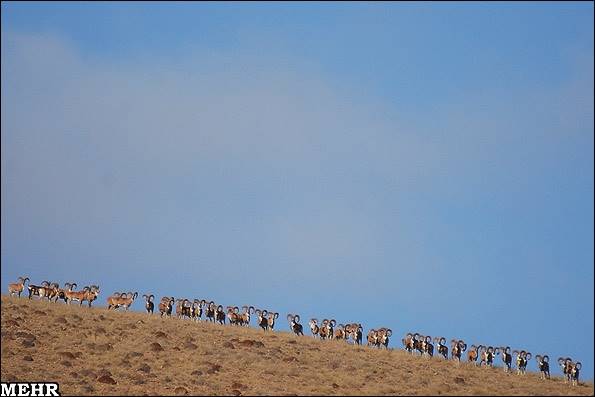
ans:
(82, 348)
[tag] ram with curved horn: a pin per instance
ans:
(314, 328)
(522, 358)
(124, 300)
(506, 357)
(486, 356)
(61, 293)
(354, 331)
(442, 348)
(180, 307)
(383, 336)
(233, 315)
(340, 333)
(428, 347)
(220, 315)
(261, 318)
(323, 332)
(210, 312)
(39, 290)
(372, 337)
(18, 287)
(77, 295)
(294, 324)
(92, 294)
(566, 367)
(473, 354)
(57, 292)
(457, 347)
(197, 309)
(408, 342)
(330, 328)
(419, 346)
(166, 306)
(149, 304)
(574, 373)
(247, 311)
(271, 320)
(543, 364)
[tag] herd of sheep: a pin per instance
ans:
(424, 345)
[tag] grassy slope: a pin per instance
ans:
(78, 347)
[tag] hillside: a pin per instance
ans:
(96, 352)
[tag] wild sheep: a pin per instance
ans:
(166, 306)
(457, 347)
(567, 366)
(383, 336)
(340, 332)
(248, 310)
(294, 324)
(91, 295)
(233, 315)
(355, 331)
(522, 359)
(473, 354)
(18, 287)
(149, 304)
(428, 347)
(124, 300)
(271, 319)
(574, 373)
(262, 320)
(314, 328)
(373, 338)
(220, 315)
(196, 309)
(543, 363)
(39, 290)
(210, 313)
(506, 357)
(442, 347)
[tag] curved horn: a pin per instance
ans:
(45, 283)
(73, 285)
(578, 365)
(546, 358)
(296, 318)
(275, 315)
(528, 355)
(290, 317)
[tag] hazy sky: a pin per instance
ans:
(422, 166)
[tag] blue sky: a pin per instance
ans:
(422, 166)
